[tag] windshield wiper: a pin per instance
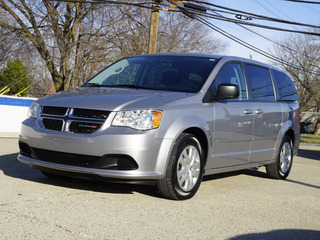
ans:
(99, 85)
(131, 86)
(93, 85)
(118, 86)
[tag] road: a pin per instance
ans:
(238, 205)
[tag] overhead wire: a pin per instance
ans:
(226, 19)
(142, 4)
(254, 16)
(217, 17)
(279, 10)
(275, 42)
(241, 23)
(301, 1)
(245, 44)
(266, 8)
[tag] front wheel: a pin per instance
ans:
(185, 169)
(280, 169)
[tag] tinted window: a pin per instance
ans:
(286, 89)
(260, 82)
(172, 73)
(232, 74)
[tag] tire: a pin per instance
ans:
(185, 169)
(280, 169)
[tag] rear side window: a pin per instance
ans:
(261, 83)
(286, 90)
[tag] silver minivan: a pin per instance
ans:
(169, 119)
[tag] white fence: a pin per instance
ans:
(13, 110)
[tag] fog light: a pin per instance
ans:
(116, 162)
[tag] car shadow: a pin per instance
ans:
(314, 155)
(283, 234)
(11, 167)
(254, 172)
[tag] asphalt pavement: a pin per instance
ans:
(239, 205)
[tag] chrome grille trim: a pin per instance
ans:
(85, 125)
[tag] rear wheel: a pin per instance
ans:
(185, 169)
(280, 169)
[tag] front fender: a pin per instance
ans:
(170, 132)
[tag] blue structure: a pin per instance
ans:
(16, 101)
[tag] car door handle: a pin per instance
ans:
(248, 111)
(258, 111)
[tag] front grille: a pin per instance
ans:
(72, 120)
(84, 127)
(60, 111)
(87, 113)
(52, 124)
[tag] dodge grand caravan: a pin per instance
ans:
(167, 118)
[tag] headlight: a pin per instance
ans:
(138, 119)
(33, 110)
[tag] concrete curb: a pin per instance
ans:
(9, 135)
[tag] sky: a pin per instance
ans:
(292, 11)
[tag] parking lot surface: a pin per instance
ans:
(239, 205)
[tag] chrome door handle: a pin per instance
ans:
(248, 111)
(258, 111)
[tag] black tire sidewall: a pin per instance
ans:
(284, 175)
(187, 140)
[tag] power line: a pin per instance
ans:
(142, 4)
(301, 1)
(262, 36)
(275, 42)
(216, 16)
(256, 16)
(226, 19)
(279, 10)
(266, 8)
(245, 44)
(229, 11)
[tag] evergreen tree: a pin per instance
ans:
(14, 75)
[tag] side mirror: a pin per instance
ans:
(227, 91)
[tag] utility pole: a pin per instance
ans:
(154, 27)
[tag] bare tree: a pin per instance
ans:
(43, 23)
(76, 40)
(303, 52)
(178, 33)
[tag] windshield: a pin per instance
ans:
(170, 73)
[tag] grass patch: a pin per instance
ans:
(309, 138)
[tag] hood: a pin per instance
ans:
(110, 99)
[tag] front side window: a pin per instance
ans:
(232, 74)
(261, 83)
(168, 73)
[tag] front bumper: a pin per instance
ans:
(149, 152)
(117, 174)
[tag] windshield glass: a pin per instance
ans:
(171, 73)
